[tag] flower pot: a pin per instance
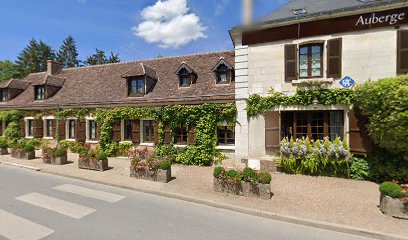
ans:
(247, 189)
(21, 154)
(393, 207)
(14, 153)
(59, 160)
(218, 185)
(101, 165)
(264, 191)
(3, 151)
(163, 176)
(30, 155)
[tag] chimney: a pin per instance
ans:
(53, 67)
(247, 11)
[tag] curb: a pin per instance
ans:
(259, 213)
(21, 166)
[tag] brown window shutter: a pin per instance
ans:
(61, 129)
(167, 133)
(402, 52)
(22, 128)
(191, 135)
(334, 58)
(116, 131)
(136, 131)
(360, 141)
(54, 128)
(1, 127)
(80, 130)
(156, 133)
(38, 128)
(291, 72)
(272, 133)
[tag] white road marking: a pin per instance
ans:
(16, 228)
(57, 205)
(91, 193)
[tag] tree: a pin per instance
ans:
(34, 57)
(8, 70)
(68, 53)
(99, 57)
(114, 58)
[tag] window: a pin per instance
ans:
(92, 130)
(226, 135)
(148, 131)
(223, 74)
(128, 130)
(312, 124)
(71, 129)
(40, 93)
(182, 135)
(4, 95)
(311, 61)
(185, 80)
(48, 128)
(136, 87)
(30, 127)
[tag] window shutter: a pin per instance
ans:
(402, 52)
(38, 128)
(360, 141)
(167, 133)
(80, 130)
(291, 72)
(22, 128)
(61, 129)
(136, 131)
(191, 135)
(156, 133)
(272, 133)
(334, 58)
(54, 128)
(116, 131)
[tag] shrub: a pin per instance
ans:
(264, 178)
(3, 142)
(359, 169)
(387, 166)
(59, 152)
(165, 165)
(28, 147)
(12, 131)
(232, 173)
(248, 174)
(218, 171)
(392, 189)
(100, 155)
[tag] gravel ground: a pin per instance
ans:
(335, 200)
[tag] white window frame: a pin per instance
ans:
(122, 132)
(67, 128)
(142, 143)
(25, 127)
(87, 119)
(45, 128)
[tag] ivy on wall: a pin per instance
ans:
(257, 104)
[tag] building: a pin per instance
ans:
(308, 40)
(185, 80)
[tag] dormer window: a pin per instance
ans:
(40, 93)
(4, 95)
(223, 72)
(136, 87)
(185, 80)
(187, 75)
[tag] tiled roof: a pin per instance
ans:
(318, 7)
(105, 85)
(15, 84)
(50, 80)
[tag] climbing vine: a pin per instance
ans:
(257, 104)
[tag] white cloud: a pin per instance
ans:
(220, 6)
(169, 24)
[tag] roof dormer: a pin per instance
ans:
(187, 75)
(11, 89)
(140, 80)
(224, 72)
(47, 87)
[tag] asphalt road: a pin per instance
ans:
(34, 205)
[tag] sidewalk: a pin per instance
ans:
(317, 199)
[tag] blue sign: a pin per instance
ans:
(347, 82)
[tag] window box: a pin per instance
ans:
(101, 165)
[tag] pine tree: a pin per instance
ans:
(114, 58)
(97, 58)
(33, 58)
(68, 53)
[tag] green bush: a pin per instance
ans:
(101, 156)
(165, 165)
(232, 173)
(264, 178)
(12, 131)
(359, 169)
(386, 166)
(59, 152)
(248, 174)
(29, 147)
(392, 189)
(218, 171)
(3, 142)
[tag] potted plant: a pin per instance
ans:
(164, 171)
(264, 185)
(57, 156)
(394, 199)
(28, 152)
(93, 160)
(3, 146)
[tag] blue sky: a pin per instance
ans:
(132, 28)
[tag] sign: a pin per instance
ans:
(347, 82)
(390, 19)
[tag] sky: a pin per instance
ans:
(136, 29)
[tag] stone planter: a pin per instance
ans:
(393, 207)
(3, 151)
(101, 165)
(247, 189)
(29, 155)
(14, 153)
(59, 160)
(163, 176)
(21, 154)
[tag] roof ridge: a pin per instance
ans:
(151, 59)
